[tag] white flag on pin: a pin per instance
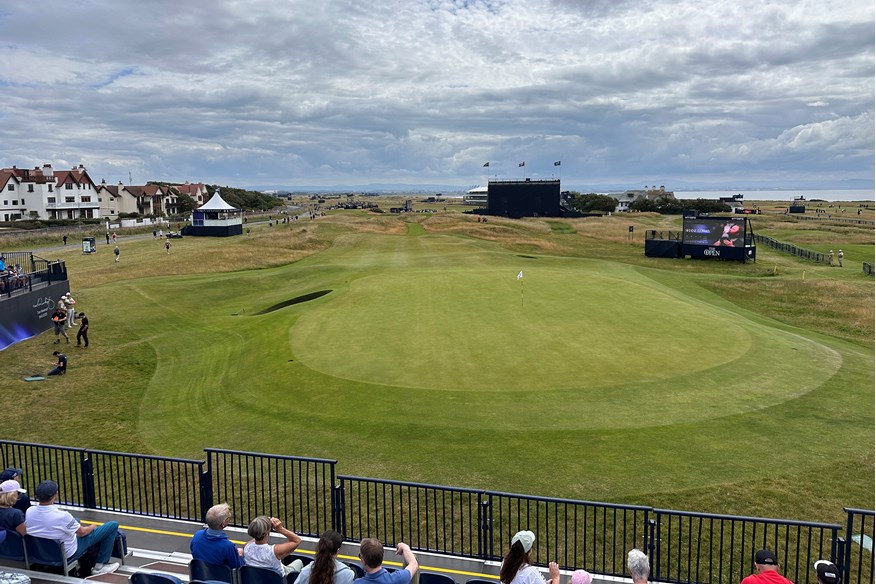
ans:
(520, 275)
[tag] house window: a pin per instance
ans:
(30, 188)
(10, 188)
(6, 203)
(69, 199)
(69, 186)
(51, 188)
(14, 203)
(50, 200)
(86, 199)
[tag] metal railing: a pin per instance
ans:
(295, 489)
(668, 235)
(792, 249)
(857, 561)
(684, 547)
(703, 547)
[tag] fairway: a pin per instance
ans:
(586, 378)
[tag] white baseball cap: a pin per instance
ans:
(526, 539)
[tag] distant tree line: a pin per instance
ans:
(246, 200)
(666, 204)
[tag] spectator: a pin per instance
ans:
(11, 517)
(517, 566)
(211, 544)
(638, 566)
(371, 554)
(71, 312)
(61, 365)
(116, 252)
(827, 572)
(14, 474)
(766, 570)
(65, 239)
(59, 318)
(325, 568)
(839, 257)
(47, 520)
(261, 554)
(581, 577)
(82, 334)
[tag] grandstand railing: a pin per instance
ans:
(792, 249)
(294, 489)
(35, 272)
(857, 560)
(684, 547)
(703, 547)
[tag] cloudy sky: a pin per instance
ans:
(344, 92)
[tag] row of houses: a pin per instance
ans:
(46, 193)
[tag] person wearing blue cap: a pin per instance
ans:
(49, 521)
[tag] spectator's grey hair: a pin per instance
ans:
(217, 515)
(637, 564)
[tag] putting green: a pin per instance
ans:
(584, 336)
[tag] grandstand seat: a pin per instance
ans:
(254, 575)
(357, 568)
(481, 581)
(12, 548)
(432, 578)
(154, 578)
(201, 570)
(48, 552)
(2, 536)
(305, 559)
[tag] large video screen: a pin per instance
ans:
(714, 231)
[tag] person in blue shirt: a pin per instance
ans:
(371, 554)
(212, 545)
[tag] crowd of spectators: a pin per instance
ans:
(11, 277)
(212, 545)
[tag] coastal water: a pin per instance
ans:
(864, 195)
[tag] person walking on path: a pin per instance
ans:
(830, 258)
(167, 245)
(82, 334)
(65, 239)
(839, 257)
(107, 237)
(117, 252)
(115, 237)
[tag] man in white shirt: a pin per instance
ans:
(49, 521)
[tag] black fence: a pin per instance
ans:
(684, 547)
(296, 490)
(792, 249)
(867, 268)
(702, 547)
(666, 235)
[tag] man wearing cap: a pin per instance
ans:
(49, 521)
(766, 570)
(71, 312)
(11, 518)
(827, 572)
(371, 554)
(14, 474)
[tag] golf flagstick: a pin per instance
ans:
(520, 279)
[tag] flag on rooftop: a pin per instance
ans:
(522, 164)
(520, 275)
(557, 163)
(486, 164)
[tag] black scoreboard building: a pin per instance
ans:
(523, 198)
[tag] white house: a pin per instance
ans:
(45, 193)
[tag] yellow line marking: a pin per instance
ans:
(302, 551)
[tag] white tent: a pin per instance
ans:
(217, 203)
